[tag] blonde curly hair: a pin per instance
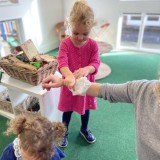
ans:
(37, 134)
(81, 13)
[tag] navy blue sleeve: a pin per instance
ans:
(8, 153)
(58, 154)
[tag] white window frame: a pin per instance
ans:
(139, 0)
(8, 2)
(140, 36)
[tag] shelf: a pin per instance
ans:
(19, 90)
(7, 115)
(18, 85)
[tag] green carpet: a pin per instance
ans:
(112, 124)
(4, 140)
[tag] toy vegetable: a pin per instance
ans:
(36, 64)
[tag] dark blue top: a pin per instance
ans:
(8, 153)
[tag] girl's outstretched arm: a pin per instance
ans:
(69, 80)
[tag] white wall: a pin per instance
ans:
(111, 10)
(14, 11)
(39, 18)
(50, 12)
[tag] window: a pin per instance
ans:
(151, 32)
(139, 31)
(130, 30)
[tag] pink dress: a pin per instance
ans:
(74, 58)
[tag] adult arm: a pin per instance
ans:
(126, 92)
(94, 89)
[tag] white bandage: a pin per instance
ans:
(81, 86)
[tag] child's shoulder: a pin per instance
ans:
(8, 153)
(58, 154)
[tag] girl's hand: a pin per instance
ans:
(52, 81)
(69, 81)
(82, 72)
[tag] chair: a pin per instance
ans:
(60, 29)
(99, 34)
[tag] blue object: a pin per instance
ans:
(8, 153)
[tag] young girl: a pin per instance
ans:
(78, 57)
(36, 138)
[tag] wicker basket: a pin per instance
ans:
(23, 74)
(6, 106)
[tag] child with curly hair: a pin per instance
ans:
(78, 57)
(36, 138)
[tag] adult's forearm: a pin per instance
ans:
(94, 89)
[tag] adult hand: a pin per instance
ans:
(52, 81)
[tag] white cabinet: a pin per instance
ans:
(19, 90)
